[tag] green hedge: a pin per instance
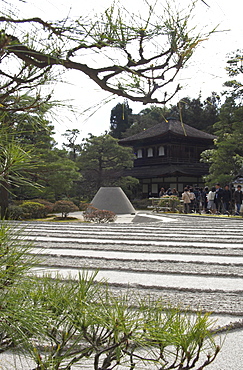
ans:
(38, 208)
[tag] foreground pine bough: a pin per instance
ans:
(141, 55)
(60, 323)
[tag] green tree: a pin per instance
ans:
(64, 207)
(15, 165)
(194, 112)
(140, 55)
(55, 174)
(226, 160)
(72, 136)
(197, 113)
(59, 177)
(27, 126)
(25, 133)
(101, 162)
(148, 117)
(129, 184)
(235, 70)
(26, 136)
(120, 119)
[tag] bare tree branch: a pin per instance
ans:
(140, 53)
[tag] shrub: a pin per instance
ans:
(141, 203)
(169, 201)
(93, 214)
(32, 210)
(64, 207)
(48, 206)
(16, 212)
(75, 200)
(83, 205)
(37, 208)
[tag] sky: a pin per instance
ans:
(204, 74)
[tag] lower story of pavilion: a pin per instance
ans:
(153, 178)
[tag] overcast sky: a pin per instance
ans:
(205, 72)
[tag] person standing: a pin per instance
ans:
(186, 200)
(198, 200)
(192, 199)
(218, 198)
(168, 192)
(238, 197)
(226, 197)
(162, 192)
(205, 192)
(210, 197)
(175, 192)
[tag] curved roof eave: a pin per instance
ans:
(173, 127)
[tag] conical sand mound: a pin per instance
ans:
(113, 199)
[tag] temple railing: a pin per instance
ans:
(163, 160)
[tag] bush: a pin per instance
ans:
(48, 206)
(141, 203)
(32, 210)
(64, 207)
(170, 201)
(83, 205)
(37, 208)
(16, 212)
(75, 200)
(27, 210)
(93, 214)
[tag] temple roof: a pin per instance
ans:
(171, 126)
(198, 169)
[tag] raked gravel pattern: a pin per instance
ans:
(195, 262)
(192, 261)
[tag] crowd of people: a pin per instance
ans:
(216, 200)
(169, 192)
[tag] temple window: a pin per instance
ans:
(150, 152)
(139, 153)
(161, 151)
